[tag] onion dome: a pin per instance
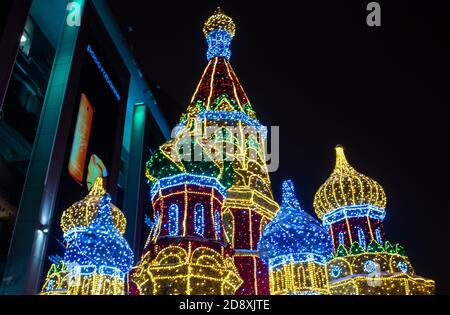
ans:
(82, 213)
(347, 187)
(294, 233)
(219, 20)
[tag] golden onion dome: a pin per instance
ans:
(219, 20)
(347, 187)
(82, 213)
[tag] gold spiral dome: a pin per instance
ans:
(347, 187)
(82, 213)
(219, 20)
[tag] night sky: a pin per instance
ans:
(326, 78)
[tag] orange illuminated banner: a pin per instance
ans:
(81, 136)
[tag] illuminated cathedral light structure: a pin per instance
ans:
(352, 208)
(228, 191)
(97, 256)
(296, 248)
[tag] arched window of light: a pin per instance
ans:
(361, 237)
(173, 220)
(199, 219)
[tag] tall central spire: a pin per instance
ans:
(219, 30)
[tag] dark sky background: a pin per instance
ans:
(320, 73)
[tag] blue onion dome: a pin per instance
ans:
(293, 234)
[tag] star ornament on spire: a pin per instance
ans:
(219, 30)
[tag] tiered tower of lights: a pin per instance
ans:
(296, 248)
(97, 256)
(210, 189)
(352, 208)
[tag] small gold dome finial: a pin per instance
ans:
(219, 20)
(347, 187)
(98, 189)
